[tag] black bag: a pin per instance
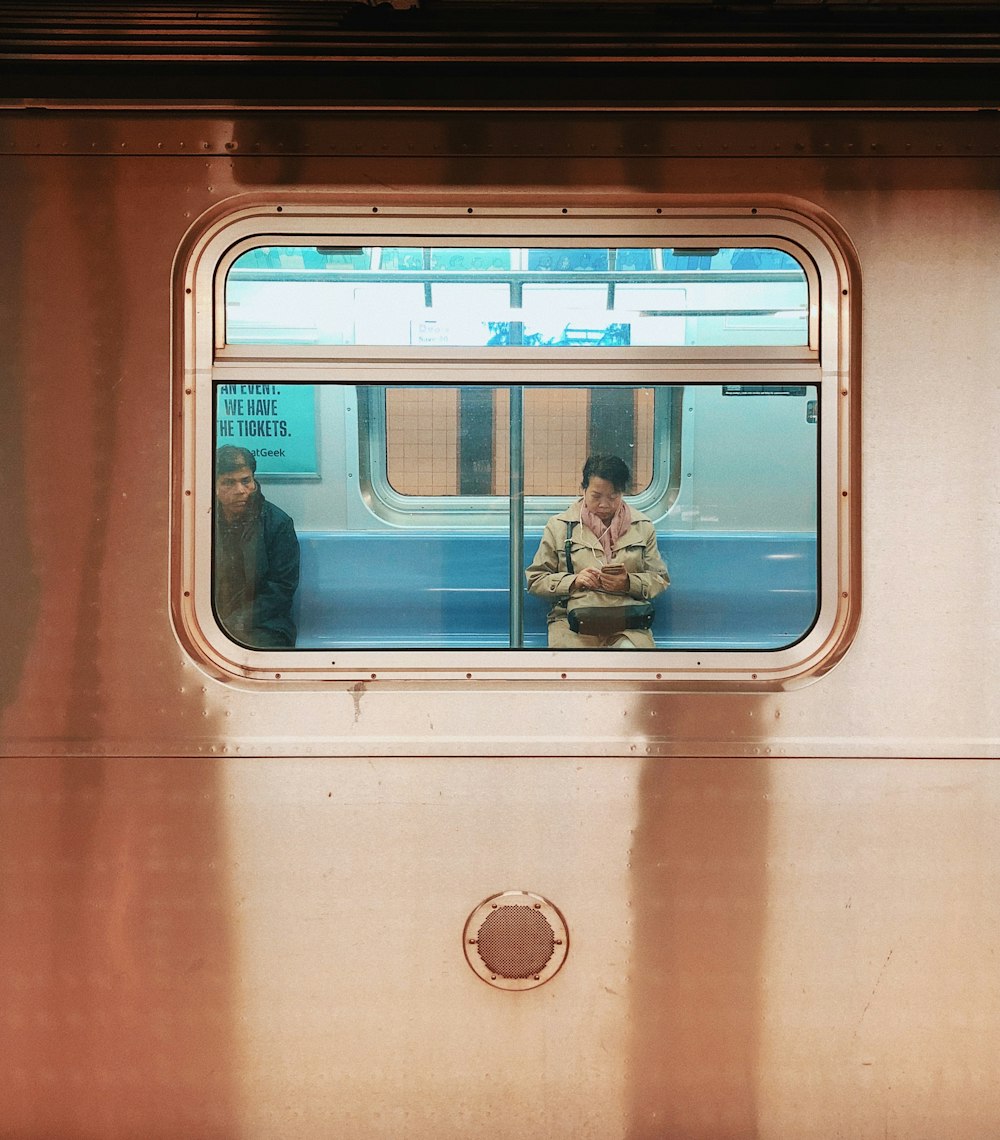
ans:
(604, 621)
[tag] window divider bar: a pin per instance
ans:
(516, 414)
(596, 359)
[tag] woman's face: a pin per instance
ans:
(601, 498)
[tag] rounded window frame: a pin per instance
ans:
(202, 359)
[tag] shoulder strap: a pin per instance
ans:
(567, 547)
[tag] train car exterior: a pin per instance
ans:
(723, 888)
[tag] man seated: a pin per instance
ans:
(256, 556)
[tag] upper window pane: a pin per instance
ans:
(498, 297)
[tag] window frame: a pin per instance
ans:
(829, 360)
(478, 511)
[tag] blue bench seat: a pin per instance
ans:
(441, 589)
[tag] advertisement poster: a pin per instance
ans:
(277, 422)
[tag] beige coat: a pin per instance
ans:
(548, 577)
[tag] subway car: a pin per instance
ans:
(345, 348)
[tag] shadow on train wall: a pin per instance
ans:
(699, 904)
(116, 1008)
(19, 612)
(117, 1019)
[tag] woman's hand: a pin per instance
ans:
(588, 579)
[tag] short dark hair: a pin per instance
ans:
(229, 459)
(608, 467)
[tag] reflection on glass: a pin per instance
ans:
(568, 260)
(500, 297)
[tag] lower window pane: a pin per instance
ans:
(712, 486)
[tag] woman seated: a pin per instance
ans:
(599, 564)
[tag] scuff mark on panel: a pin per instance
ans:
(357, 691)
(878, 982)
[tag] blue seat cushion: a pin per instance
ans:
(450, 589)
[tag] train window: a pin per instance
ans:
(502, 297)
(441, 586)
(456, 441)
(385, 440)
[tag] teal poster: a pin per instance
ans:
(277, 422)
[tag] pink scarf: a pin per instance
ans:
(610, 534)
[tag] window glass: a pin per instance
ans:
(456, 441)
(301, 560)
(499, 297)
(568, 260)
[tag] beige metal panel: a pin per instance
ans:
(117, 968)
(927, 649)
(880, 1002)
(86, 358)
(813, 954)
(357, 1005)
(247, 948)
(95, 666)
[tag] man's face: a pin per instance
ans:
(233, 490)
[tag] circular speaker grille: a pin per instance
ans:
(515, 940)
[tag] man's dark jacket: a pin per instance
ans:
(256, 574)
